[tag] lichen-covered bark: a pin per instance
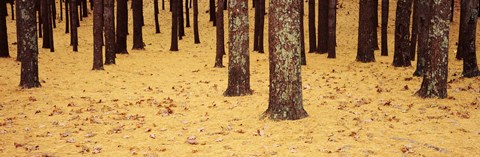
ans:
(156, 12)
(332, 29)
(4, 52)
(98, 35)
(436, 68)
(29, 62)
(322, 26)
(196, 36)
(285, 93)
(470, 9)
(122, 27)
(109, 22)
(174, 39)
(384, 33)
(239, 59)
(312, 42)
(137, 25)
(423, 22)
(73, 24)
(401, 54)
(365, 30)
(220, 37)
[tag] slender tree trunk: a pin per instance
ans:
(401, 55)
(322, 26)
(436, 69)
(85, 10)
(174, 41)
(73, 24)
(20, 32)
(67, 17)
(137, 26)
(46, 23)
(187, 14)
(285, 89)
(303, 57)
(80, 9)
(239, 59)
(196, 36)
(156, 12)
(375, 24)
(163, 4)
(311, 27)
(423, 24)
(261, 5)
(109, 25)
(212, 11)
(415, 25)
(220, 37)
(256, 27)
(51, 20)
(181, 27)
(97, 35)
(29, 63)
(40, 18)
(12, 10)
(4, 52)
(332, 29)
(61, 8)
(122, 27)
(452, 8)
(365, 29)
(470, 9)
(53, 8)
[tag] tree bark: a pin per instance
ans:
(423, 24)
(365, 29)
(40, 17)
(285, 89)
(156, 12)
(220, 37)
(51, 20)
(401, 55)
(29, 63)
(67, 17)
(256, 27)
(109, 25)
(322, 26)
(163, 4)
(385, 9)
(137, 26)
(53, 9)
(196, 35)
(311, 27)
(85, 9)
(181, 24)
(46, 23)
(122, 27)
(73, 24)
(212, 11)
(436, 68)
(332, 29)
(375, 24)
(19, 24)
(239, 59)
(303, 57)
(415, 25)
(174, 39)
(470, 9)
(98, 35)
(61, 8)
(187, 14)
(4, 52)
(261, 5)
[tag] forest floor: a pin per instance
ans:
(160, 103)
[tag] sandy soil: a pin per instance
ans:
(158, 103)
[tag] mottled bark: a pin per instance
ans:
(137, 26)
(239, 59)
(174, 39)
(322, 26)
(312, 42)
(29, 63)
(73, 24)
(4, 52)
(303, 57)
(401, 54)
(220, 37)
(436, 68)
(423, 24)
(470, 9)
(187, 14)
(285, 89)
(109, 25)
(415, 25)
(97, 35)
(122, 27)
(365, 30)
(332, 29)
(196, 36)
(156, 12)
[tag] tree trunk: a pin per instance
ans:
(303, 57)
(19, 24)
(53, 8)
(156, 12)
(332, 29)
(212, 11)
(187, 14)
(385, 9)
(73, 24)
(239, 59)
(436, 68)
(285, 89)
(46, 23)
(375, 25)
(322, 26)
(423, 24)
(261, 5)
(256, 28)
(470, 9)
(122, 27)
(40, 17)
(97, 34)
(4, 52)
(51, 20)
(174, 41)
(365, 29)
(67, 17)
(413, 39)
(109, 25)
(311, 27)
(29, 63)
(220, 37)
(141, 12)
(181, 24)
(85, 10)
(401, 55)
(80, 9)
(137, 26)
(163, 4)
(61, 8)
(196, 36)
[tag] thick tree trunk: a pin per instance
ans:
(174, 41)
(311, 27)
(156, 12)
(365, 30)
(109, 25)
(97, 35)
(470, 9)
(187, 14)
(239, 59)
(122, 27)
(29, 62)
(141, 12)
(303, 57)
(196, 36)
(322, 26)
(332, 29)
(137, 26)
(423, 24)
(285, 90)
(73, 24)
(415, 25)
(436, 68)
(4, 52)
(401, 55)
(220, 37)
